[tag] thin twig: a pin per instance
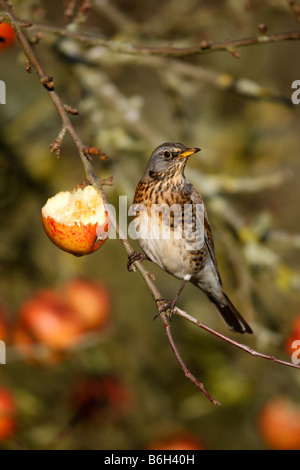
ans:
(215, 184)
(117, 17)
(204, 47)
(244, 347)
(187, 373)
(289, 240)
(169, 51)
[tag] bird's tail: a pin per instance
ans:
(231, 316)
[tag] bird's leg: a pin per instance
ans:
(135, 256)
(170, 304)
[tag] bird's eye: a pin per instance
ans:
(167, 154)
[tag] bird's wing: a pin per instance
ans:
(215, 293)
(208, 239)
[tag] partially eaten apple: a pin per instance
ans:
(76, 221)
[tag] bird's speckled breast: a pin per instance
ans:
(166, 236)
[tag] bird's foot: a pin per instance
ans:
(133, 257)
(166, 306)
(169, 305)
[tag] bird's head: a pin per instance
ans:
(169, 158)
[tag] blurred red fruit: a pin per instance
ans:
(24, 342)
(7, 414)
(47, 320)
(178, 442)
(4, 327)
(279, 424)
(294, 336)
(94, 394)
(89, 300)
(7, 35)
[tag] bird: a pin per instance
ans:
(173, 230)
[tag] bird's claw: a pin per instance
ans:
(133, 257)
(164, 306)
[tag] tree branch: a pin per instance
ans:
(244, 347)
(204, 47)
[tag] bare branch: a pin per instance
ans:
(289, 240)
(169, 51)
(244, 347)
(204, 47)
(214, 184)
(187, 373)
(114, 15)
(225, 81)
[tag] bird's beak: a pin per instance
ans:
(189, 152)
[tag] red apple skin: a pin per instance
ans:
(48, 321)
(77, 239)
(90, 301)
(7, 414)
(279, 424)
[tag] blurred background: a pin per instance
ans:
(86, 365)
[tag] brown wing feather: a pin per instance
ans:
(208, 239)
(227, 310)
